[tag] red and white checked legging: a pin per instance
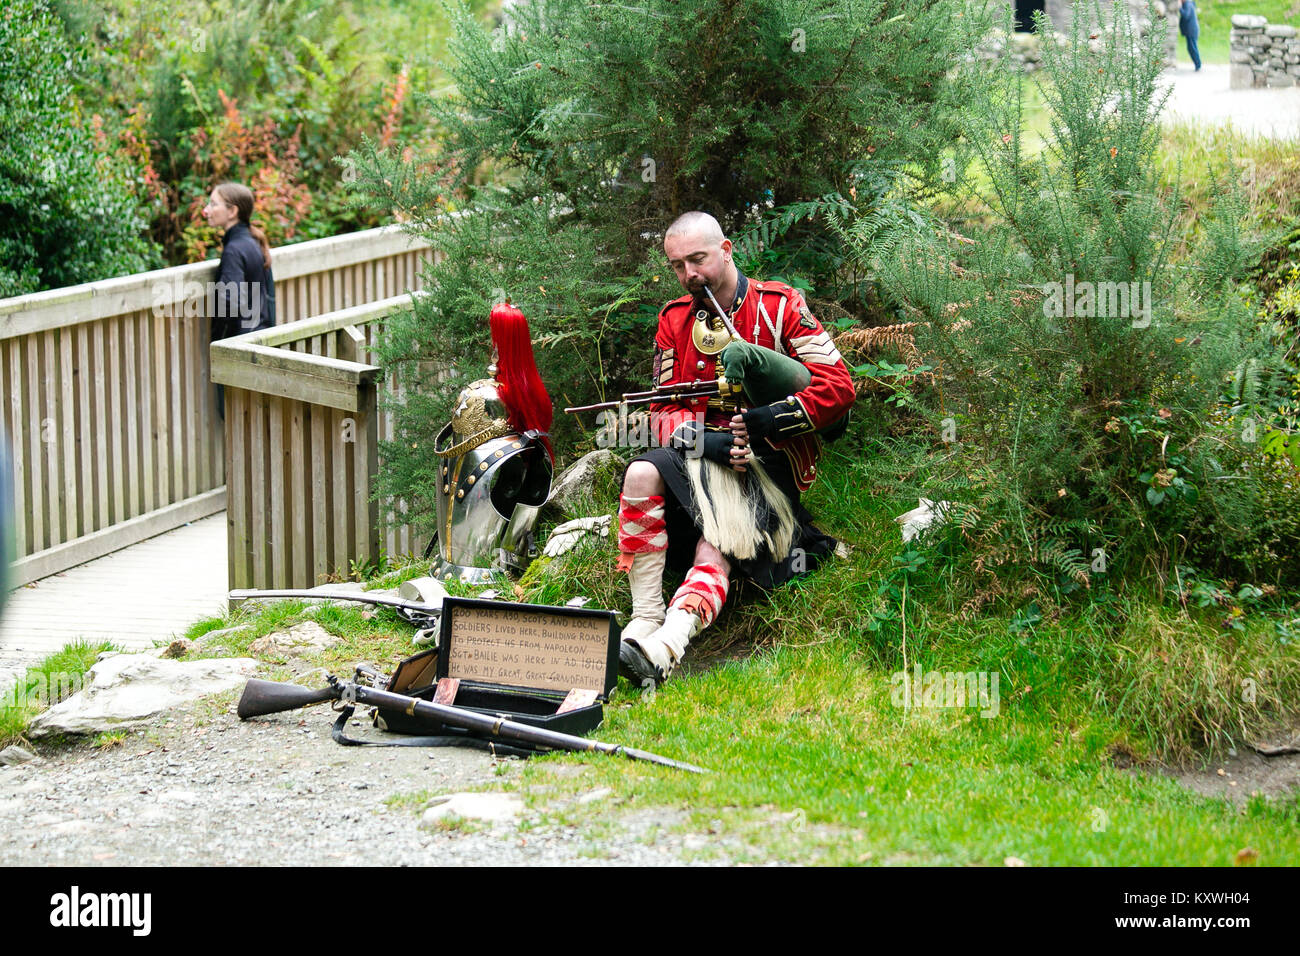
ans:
(641, 528)
(703, 592)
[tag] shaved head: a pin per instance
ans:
(697, 224)
(700, 255)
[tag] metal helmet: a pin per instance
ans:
(493, 482)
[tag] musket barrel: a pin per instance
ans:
(247, 594)
(503, 727)
(672, 394)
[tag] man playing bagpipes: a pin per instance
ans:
(721, 494)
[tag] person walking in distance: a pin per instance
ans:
(1191, 29)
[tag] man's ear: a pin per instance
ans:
(726, 249)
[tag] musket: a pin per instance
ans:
(262, 697)
(671, 393)
(421, 615)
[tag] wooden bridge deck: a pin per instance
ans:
(132, 597)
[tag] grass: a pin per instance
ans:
(1268, 170)
(812, 762)
(58, 676)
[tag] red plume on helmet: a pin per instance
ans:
(519, 385)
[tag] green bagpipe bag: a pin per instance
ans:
(768, 376)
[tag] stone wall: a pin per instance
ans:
(1263, 55)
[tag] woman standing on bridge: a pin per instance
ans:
(243, 297)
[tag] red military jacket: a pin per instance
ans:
(775, 316)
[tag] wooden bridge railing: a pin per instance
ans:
(104, 389)
(303, 424)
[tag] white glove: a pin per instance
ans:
(566, 535)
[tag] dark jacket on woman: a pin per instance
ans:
(243, 298)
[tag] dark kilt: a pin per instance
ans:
(682, 516)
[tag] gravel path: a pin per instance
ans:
(203, 788)
(1204, 97)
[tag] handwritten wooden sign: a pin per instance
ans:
(524, 648)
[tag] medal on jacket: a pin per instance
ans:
(708, 333)
(712, 332)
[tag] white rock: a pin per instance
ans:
(304, 638)
(1248, 20)
(1280, 30)
(491, 807)
(14, 755)
(130, 689)
(578, 478)
(594, 795)
(223, 632)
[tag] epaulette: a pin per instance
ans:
(684, 301)
(775, 288)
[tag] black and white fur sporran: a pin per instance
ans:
(741, 514)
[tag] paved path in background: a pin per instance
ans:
(1204, 97)
(132, 597)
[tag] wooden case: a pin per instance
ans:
(551, 667)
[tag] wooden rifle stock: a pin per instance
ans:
(262, 697)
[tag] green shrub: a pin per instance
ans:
(268, 92)
(597, 124)
(69, 215)
(1080, 417)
